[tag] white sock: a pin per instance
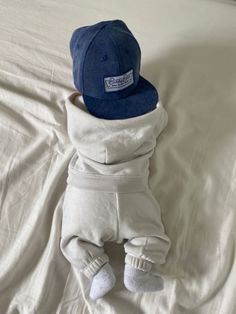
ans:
(102, 282)
(136, 280)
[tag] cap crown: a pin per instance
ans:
(106, 60)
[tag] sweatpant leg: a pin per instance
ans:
(143, 251)
(88, 221)
(141, 225)
(84, 256)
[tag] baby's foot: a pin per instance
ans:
(136, 280)
(102, 282)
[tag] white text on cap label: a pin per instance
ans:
(116, 83)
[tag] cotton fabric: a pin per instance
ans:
(108, 197)
(188, 53)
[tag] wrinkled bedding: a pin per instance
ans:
(188, 53)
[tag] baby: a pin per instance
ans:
(113, 122)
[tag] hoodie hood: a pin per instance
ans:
(112, 141)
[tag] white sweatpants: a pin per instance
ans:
(97, 210)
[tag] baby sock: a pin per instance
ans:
(137, 280)
(102, 282)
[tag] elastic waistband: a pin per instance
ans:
(121, 184)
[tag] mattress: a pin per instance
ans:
(188, 53)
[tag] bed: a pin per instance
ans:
(188, 52)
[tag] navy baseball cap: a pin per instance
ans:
(106, 64)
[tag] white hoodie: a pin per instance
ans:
(112, 147)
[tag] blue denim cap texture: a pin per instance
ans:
(106, 70)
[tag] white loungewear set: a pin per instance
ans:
(107, 197)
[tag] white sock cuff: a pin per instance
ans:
(139, 263)
(93, 267)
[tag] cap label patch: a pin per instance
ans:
(116, 83)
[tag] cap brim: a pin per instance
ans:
(143, 99)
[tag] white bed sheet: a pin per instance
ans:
(188, 52)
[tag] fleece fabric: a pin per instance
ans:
(108, 196)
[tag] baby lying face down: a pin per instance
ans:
(113, 123)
